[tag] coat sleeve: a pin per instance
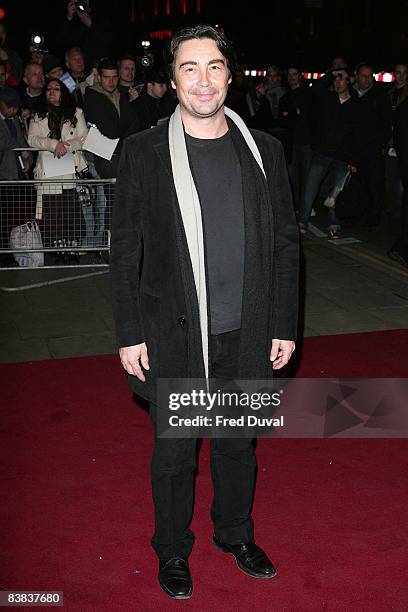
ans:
(286, 254)
(126, 251)
(81, 131)
(36, 138)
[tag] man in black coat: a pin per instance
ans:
(204, 266)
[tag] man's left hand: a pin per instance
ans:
(281, 352)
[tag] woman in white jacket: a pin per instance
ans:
(60, 129)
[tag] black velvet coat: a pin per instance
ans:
(154, 296)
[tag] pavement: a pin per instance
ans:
(349, 285)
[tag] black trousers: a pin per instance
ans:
(233, 468)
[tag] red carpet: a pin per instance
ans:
(76, 507)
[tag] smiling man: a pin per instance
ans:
(204, 265)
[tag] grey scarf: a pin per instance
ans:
(190, 208)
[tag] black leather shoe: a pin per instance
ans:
(175, 578)
(250, 558)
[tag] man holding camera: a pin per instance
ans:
(127, 77)
(87, 30)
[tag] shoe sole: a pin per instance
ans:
(244, 570)
(175, 596)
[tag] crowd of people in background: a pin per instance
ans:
(342, 128)
(50, 102)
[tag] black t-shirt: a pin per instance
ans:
(217, 175)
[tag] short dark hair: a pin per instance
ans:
(73, 50)
(400, 62)
(198, 32)
(129, 56)
(361, 65)
(294, 67)
(107, 64)
(9, 96)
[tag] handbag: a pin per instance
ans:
(27, 236)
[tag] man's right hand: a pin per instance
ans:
(133, 358)
(71, 9)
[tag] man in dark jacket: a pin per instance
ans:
(375, 131)
(296, 118)
(31, 89)
(111, 112)
(204, 218)
(147, 105)
(335, 146)
(399, 100)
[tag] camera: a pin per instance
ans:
(80, 7)
(37, 43)
(146, 61)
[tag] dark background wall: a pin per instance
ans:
(306, 31)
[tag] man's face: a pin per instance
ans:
(8, 111)
(34, 77)
(75, 63)
(201, 77)
(401, 75)
(341, 82)
(127, 71)
(365, 78)
(294, 78)
(109, 80)
(157, 90)
(2, 75)
(273, 76)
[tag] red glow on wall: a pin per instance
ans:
(198, 6)
(156, 8)
(184, 6)
(167, 7)
(132, 11)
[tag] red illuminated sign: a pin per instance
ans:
(160, 34)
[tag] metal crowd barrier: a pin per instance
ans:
(55, 222)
